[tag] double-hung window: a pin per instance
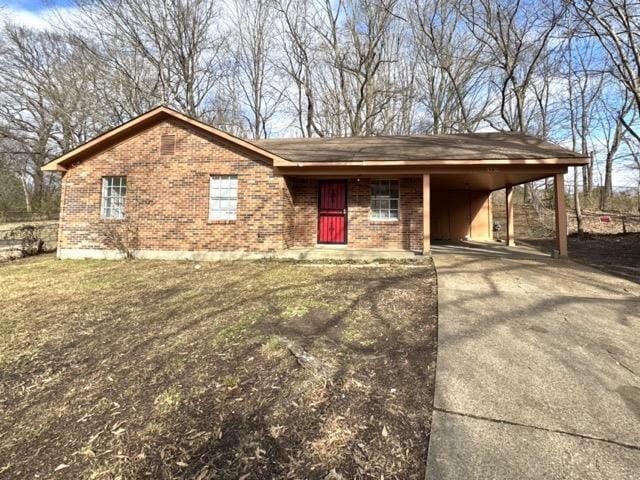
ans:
(114, 193)
(223, 197)
(385, 200)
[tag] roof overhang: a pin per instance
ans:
(143, 122)
(472, 176)
(433, 163)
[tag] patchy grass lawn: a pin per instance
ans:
(179, 370)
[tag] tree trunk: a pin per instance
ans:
(608, 172)
(576, 201)
(27, 196)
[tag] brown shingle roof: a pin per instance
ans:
(473, 146)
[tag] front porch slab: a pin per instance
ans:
(341, 253)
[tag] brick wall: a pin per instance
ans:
(168, 200)
(168, 195)
(303, 222)
(405, 234)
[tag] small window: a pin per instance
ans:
(167, 144)
(385, 200)
(114, 193)
(223, 197)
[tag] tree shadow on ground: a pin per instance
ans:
(156, 371)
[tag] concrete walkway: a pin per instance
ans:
(538, 373)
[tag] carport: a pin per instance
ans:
(461, 207)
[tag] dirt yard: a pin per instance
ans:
(184, 370)
(603, 244)
(615, 254)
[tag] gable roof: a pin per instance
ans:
(424, 148)
(144, 121)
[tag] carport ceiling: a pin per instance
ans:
(484, 181)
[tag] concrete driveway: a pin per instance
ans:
(538, 373)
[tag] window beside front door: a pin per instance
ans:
(223, 197)
(114, 193)
(385, 200)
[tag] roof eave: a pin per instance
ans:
(564, 161)
(53, 167)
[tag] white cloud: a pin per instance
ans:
(40, 19)
(26, 18)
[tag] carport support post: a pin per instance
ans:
(511, 239)
(426, 214)
(561, 215)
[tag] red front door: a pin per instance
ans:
(332, 212)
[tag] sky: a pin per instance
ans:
(35, 5)
(32, 13)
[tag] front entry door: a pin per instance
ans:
(332, 212)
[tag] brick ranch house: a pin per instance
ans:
(175, 188)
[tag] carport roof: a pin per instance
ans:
(469, 147)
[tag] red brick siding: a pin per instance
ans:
(289, 215)
(168, 195)
(406, 233)
(304, 221)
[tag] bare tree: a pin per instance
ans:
(516, 36)
(252, 53)
(298, 63)
(633, 163)
(586, 83)
(173, 46)
(616, 25)
(357, 38)
(45, 108)
(614, 133)
(449, 68)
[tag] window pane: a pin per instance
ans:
(223, 197)
(385, 199)
(113, 200)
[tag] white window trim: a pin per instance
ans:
(107, 213)
(372, 218)
(223, 193)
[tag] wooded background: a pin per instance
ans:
(568, 71)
